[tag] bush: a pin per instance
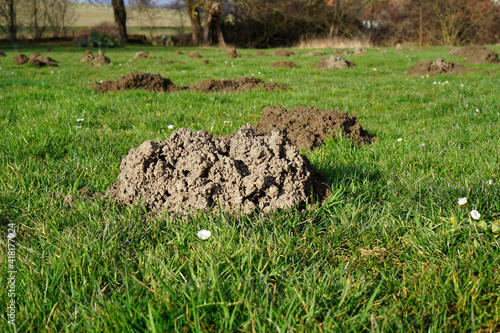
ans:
(102, 37)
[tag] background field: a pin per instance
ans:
(390, 251)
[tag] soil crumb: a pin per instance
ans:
(284, 64)
(140, 55)
(283, 53)
(2, 54)
(234, 85)
(194, 54)
(42, 61)
(306, 127)
(87, 57)
(146, 81)
(334, 62)
(435, 67)
(261, 53)
(233, 53)
(314, 54)
(100, 60)
(21, 59)
(197, 171)
(476, 54)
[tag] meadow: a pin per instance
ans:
(391, 251)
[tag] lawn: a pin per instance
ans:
(391, 251)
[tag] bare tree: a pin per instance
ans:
(147, 10)
(120, 19)
(8, 18)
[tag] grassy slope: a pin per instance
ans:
(391, 251)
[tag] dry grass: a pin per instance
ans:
(334, 42)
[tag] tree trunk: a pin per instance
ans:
(212, 34)
(194, 17)
(120, 19)
(12, 22)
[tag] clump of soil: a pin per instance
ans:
(334, 62)
(194, 54)
(234, 85)
(206, 62)
(476, 54)
(87, 57)
(197, 171)
(383, 52)
(100, 60)
(233, 53)
(2, 54)
(314, 54)
(167, 61)
(42, 61)
(342, 51)
(146, 81)
(284, 64)
(435, 67)
(359, 51)
(140, 55)
(260, 53)
(177, 52)
(21, 59)
(306, 127)
(283, 53)
(399, 48)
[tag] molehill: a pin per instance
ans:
(197, 172)
(435, 67)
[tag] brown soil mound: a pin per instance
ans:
(2, 54)
(42, 61)
(283, 53)
(194, 54)
(87, 57)
(100, 60)
(146, 81)
(284, 64)
(435, 67)
(233, 53)
(476, 54)
(314, 54)
(261, 53)
(334, 62)
(140, 55)
(167, 61)
(234, 85)
(177, 52)
(359, 51)
(206, 62)
(241, 172)
(306, 127)
(21, 59)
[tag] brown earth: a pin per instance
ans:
(435, 67)
(306, 127)
(283, 53)
(284, 64)
(2, 54)
(334, 62)
(233, 53)
(146, 81)
(167, 61)
(21, 59)
(42, 61)
(197, 172)
(143, 54)
(194, 54)
(314, 54)
(87, 57)
(100, 60)
(476, 54)
(177, 52)
(206, 62)
(261, 53)
(234, 85)
(359, 51)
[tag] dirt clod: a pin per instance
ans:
(146, 81)
(197, 171)
(284, 64)
(261, 53)
(306, 127)
(234, 85)
(87, 57)
(42, 61)
(143, 54)
(2, 54)
(283, 53)
(100, 60)
(334, 62)
(194, 54)
(206, 62)
(435, 67)
(21, 59)
(359, 51)
(233, 53)
(476, 54)
(314, 54)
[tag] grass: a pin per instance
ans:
(391, 251)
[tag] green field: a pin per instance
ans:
(391, 251)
